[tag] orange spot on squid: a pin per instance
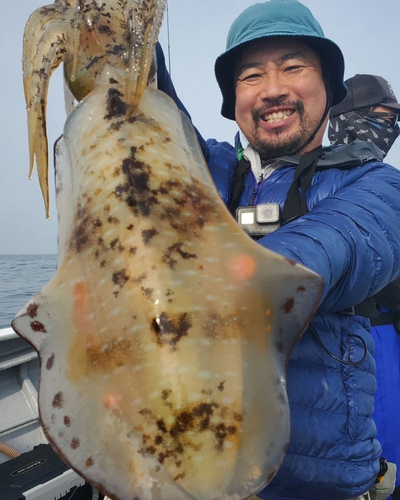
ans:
(82, 314)
(242, 267)
(112, 401)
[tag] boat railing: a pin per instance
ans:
(19, 381)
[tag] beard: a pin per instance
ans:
(268, 148)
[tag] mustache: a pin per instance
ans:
(276, 103)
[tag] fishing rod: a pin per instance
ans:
(168, 38)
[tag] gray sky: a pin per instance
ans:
(365, 30)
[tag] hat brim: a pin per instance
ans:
(327, 50)
(390, 105)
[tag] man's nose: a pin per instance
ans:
(274, 86)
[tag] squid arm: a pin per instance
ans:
(47, 41)
(144, 36)
(53, 35)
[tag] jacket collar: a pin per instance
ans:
(355, 154)
(342, 155)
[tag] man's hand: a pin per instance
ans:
(383, 489)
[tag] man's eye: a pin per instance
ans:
(251, 77)
(293, 68)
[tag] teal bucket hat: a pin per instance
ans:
(271, 19)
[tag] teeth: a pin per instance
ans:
(277, 117)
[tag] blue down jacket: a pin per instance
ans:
(387, 398)
(351, 237)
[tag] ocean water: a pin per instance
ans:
(22, 277)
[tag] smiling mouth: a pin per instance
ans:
(277, 116)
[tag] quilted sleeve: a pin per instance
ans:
(350, 238)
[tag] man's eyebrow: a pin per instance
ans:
(291, 55)
(285, 57)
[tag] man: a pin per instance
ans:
(279, 76)
(370, 112)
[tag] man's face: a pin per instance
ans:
(280, 96)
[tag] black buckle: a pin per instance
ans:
(383, 468)
(349, 310)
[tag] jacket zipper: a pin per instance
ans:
(256, 191)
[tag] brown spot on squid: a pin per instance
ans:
(37, 326)
(32, 310)
(148, 234)
(120, 278)
(170, 330)
(75, 443)
(58, 400)
(50, 362)
(115, 105)
(288, 306)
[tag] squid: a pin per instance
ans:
(164, 334)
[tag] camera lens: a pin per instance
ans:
(266, 213)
